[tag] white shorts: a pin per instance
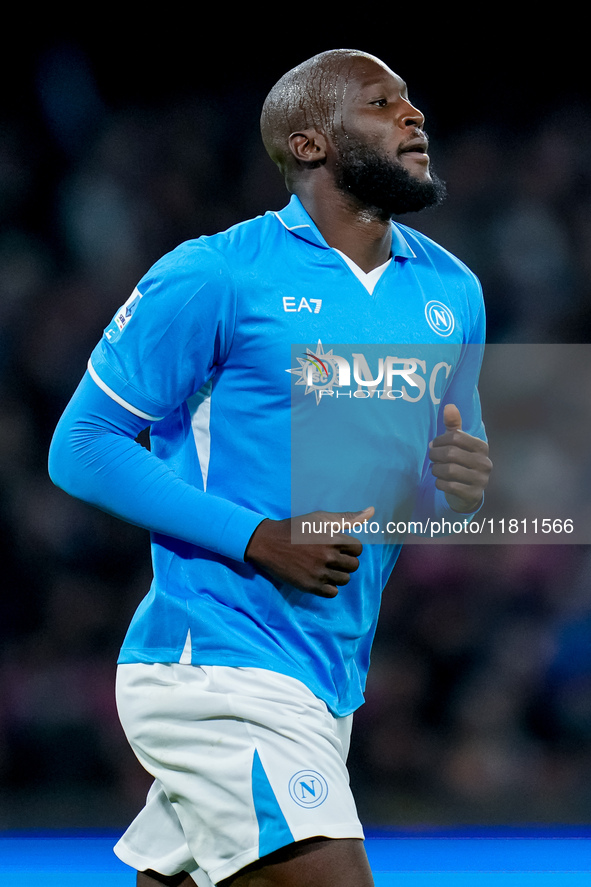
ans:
(245, 761)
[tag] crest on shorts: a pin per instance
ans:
(308, 788)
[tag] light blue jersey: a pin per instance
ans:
(203, 351)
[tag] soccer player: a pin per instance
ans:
(242, 666)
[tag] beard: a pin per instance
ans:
(382, 184)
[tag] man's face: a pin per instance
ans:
(381, 148)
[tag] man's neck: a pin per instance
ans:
(355, 231)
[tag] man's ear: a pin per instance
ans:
(308, 146)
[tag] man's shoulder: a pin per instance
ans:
(237, 237)
(236, 241)
(212, 256)
(435, 254)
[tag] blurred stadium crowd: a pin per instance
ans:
(479, 702)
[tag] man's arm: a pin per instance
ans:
(94, 457)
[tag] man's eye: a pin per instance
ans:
(381, 103)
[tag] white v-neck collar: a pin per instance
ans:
(368, 279)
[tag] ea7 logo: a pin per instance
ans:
(290, 303)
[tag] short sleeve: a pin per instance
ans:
(168, 338)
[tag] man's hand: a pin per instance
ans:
(318, 566)
(460, 463)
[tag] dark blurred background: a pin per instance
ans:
(116, 143)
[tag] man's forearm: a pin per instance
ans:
(94, 457)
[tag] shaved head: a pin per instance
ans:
(308, 96)
(345, 112)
